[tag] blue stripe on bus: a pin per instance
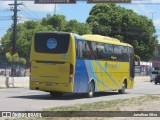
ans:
(108, 74)
(101, 76)
(103, 83)
(96, 78)
(92, 73)
(81, 78)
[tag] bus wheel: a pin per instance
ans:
(91, 90)
(122, 91)
(56, 94)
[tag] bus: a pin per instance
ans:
(64, 62)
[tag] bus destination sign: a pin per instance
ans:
(54, 1)
(109, 1)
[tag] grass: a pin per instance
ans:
(113, 105)
(107, 104)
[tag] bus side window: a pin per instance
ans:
(118, 52)
(76, 42)
(100, 50)
(85, 50)
(108, 51)
(79, 49)
(125, 56)
(90, 51)
(131, 53)
(94, 49)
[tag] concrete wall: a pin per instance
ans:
(14, 82)
(24, 81)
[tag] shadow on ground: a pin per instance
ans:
(66, 96)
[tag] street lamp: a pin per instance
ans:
(153, 14)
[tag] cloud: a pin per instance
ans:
(40, 7)
(139, 8)
(4, 5)
(33, 7)
(156, 22)
(145, 1)
(155, 1)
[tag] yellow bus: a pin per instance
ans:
(64, 62)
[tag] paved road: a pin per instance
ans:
(23, 99)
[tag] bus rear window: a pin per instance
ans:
(56, 43)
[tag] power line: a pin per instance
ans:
(3, 29)
(3, 19)
(31, 11)
(5, 16)
(30, 14)
(25, 18)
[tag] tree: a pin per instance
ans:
(56, 21)
(25, 32)
(77, 27)
(126, 25)
(14, 60)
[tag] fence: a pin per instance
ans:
(16, 69)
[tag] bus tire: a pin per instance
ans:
(56, 94)
(122, 91)
(91, 90)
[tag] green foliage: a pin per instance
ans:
(15, 58)
(57, 21)
(76, 27)
(127, 26)
(8, 56)
(26, 30)
(22, 61)
(119, 37)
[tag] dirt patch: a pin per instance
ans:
(146, 106)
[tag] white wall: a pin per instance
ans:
(14, 82)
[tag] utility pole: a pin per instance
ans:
(14, 9)
(55, 9)
(151, 62)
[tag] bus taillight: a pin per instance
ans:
(30, 68)
(71, 73)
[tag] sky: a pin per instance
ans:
(79, 11)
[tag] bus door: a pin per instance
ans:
(131, 62)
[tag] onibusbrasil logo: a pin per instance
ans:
(51, 43)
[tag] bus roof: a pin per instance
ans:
(92, 37)
(104, 39)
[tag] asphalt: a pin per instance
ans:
(23, 99)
